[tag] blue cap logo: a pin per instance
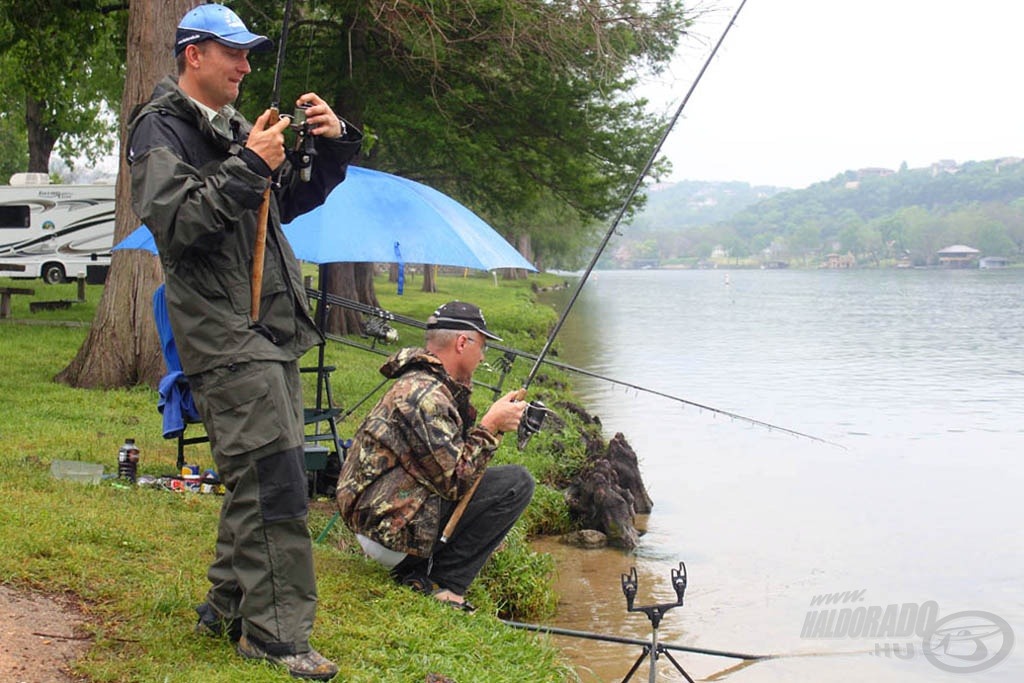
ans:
(217, 22)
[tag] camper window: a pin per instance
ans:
(16, 216)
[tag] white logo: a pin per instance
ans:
(956, 643)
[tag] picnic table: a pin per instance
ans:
(5, 298)
(63, 303)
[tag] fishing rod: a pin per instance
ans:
(629, 198)
(533, 416)
(590, 635)
(624, 640)
(654, 648)
(382, 314)
(263, 214)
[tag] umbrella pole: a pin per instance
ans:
(321, 315)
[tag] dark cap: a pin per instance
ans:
(217, 22)
(458, 315)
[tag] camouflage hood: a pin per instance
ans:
(412, 359)
(419, 359)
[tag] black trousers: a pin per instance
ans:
(501, 498)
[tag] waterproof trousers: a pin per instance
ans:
(262, 572)
(501, 498)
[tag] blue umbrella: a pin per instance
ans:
(383, 218)
(140, 238)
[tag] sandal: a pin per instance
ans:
(419, 582)
(463, 605)
(423, 584)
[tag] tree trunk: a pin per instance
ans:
(429, 278)
(40, 140)
(524, 245)
(122, 348)
(365, 293)
(350, 281)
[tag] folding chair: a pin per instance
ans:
(179, 410)
(175, 402)
(322, 426)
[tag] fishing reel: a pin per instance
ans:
(305, 149)
(533, 420)
(379, 330)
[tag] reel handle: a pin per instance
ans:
(533, 420)
(305, 148)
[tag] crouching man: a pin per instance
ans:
(421, 449)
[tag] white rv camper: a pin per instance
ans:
(55, 232)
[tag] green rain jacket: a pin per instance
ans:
(199, 193)
(417, 448)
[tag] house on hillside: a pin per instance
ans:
(874, 172)
(944, 166)
(958, 256)
(993, 262)
(1006, 162)
(837, 260)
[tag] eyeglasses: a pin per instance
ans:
(483, 345)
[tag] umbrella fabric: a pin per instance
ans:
(140, 238)
(383, 218)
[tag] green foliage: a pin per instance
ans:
(14, 148)
(547, 514)
(518, 580)
(62, 64)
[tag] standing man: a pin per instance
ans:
(419, 451)
(199, 171)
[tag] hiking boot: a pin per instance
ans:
(213, 625)
(308, 665)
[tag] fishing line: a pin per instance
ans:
(367, 309)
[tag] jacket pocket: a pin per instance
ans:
(244, 414)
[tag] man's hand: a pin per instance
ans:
(268, 141)
(321, 118)
(505, 413)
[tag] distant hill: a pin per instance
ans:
(692, 203)
(869, 216)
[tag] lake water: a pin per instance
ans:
(916, 375)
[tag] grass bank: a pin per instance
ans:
(136, 557)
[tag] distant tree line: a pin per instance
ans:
(873, 219)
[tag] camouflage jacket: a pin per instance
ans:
(417, 447)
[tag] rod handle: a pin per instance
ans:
(260, 246)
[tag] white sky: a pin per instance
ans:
(804, 89)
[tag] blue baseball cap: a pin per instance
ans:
(217, 22)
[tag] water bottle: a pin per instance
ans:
(128, 460)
